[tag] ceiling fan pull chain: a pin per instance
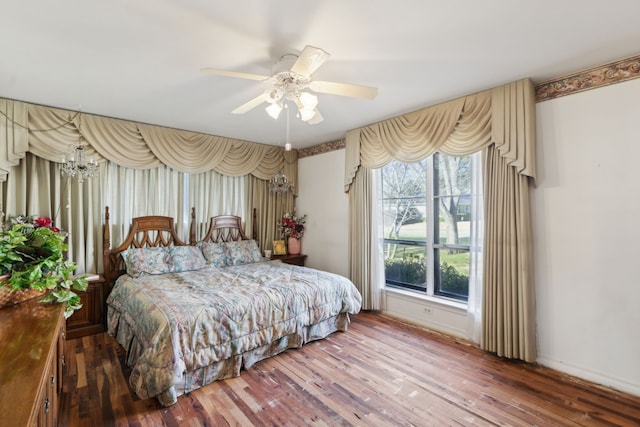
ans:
(287, 145)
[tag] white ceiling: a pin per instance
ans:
(140, 60)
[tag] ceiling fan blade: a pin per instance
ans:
(236, 74)
(250, 105)
(344, 89)
(309, 61)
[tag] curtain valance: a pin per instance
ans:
(49, 132)
(504, 116)
(14, 138)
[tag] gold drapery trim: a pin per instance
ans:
(131, 144)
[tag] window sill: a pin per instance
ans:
(446, 302)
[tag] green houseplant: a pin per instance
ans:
(32, 257)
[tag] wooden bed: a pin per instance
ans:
(185, 324)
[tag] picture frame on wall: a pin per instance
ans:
(279, 247)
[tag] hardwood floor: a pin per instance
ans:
(381, 372)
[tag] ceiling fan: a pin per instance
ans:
(291, 81)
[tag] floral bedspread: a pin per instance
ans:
(185, 321)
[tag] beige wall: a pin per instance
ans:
(586, 207)
(323, 199)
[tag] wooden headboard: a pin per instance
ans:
(228, 228)
(145, 232)
(159, 231)
(225, 228)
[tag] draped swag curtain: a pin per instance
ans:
(501, 122)
(51, 131)
(144, 170)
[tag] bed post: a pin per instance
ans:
(192, 228)
(254, 226)
(106, 245)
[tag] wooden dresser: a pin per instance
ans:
(31, 363)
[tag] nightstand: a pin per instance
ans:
(90, 318)
(291, 259)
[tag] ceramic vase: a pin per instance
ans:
(294, 246)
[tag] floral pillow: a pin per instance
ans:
(147, 260)
(187, 258)
(215, 253)
(243, 252)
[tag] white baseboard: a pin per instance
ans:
(589, 375)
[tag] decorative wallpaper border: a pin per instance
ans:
(615, 72)
(325, 147)
(593, 78)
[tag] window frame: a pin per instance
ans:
(431, 244)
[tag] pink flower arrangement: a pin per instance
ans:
(293, 226)
(33, 222)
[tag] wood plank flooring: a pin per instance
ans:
(380, 373)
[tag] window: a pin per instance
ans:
(427, 216)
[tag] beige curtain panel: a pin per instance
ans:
(502, 121)
(508, 306)
(361, 224)
(49, 132)
(271, 208)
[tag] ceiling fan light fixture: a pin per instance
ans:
(274, 110)
(317, 118)
(306, 114)
(308, 100)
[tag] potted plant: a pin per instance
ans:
(293, 228)
(32, 263)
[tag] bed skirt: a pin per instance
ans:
(229, 368)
